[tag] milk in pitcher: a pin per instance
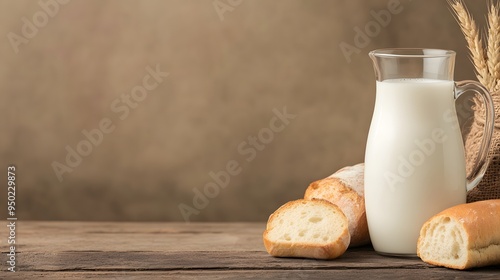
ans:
(415, 163)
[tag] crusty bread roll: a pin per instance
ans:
(345, 188)
(463, 236)
(307, 228)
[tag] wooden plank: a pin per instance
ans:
(177, 260)
(118, 236)
(372, 274)
(75, 250)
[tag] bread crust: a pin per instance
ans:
(331, 250)
(345, 189)
(480, 221)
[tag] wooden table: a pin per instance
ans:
(114, 250)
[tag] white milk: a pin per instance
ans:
(414, 162)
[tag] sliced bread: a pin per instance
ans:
(307, 228)
(463, 236)
(345, 188)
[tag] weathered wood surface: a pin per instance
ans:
(101, 250)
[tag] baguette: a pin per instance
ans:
(463, 236)
(345, 188)
(307, 228)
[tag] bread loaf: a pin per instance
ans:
(463, 236)
(307, 228)
(345, 188)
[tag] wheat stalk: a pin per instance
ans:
(474, 42)
(493, 48)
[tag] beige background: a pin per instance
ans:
(226, 77)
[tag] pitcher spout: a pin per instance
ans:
(376, 67)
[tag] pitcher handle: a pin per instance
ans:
(481, 163)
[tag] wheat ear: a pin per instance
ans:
(474, 42)
(493, 48)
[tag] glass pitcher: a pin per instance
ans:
(415, 160)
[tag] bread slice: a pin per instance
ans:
(463, 236)
(345, 188)
(307, 228)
